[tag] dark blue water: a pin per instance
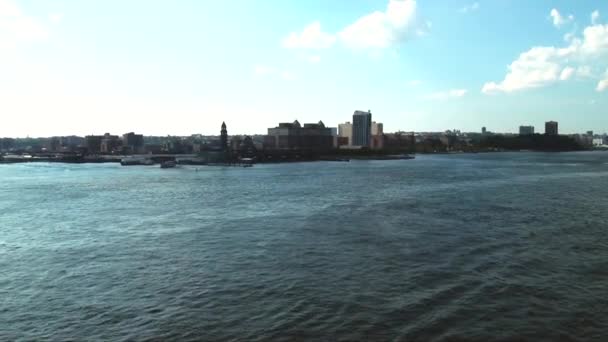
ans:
(472, 247)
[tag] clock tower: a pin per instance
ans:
(224, 137)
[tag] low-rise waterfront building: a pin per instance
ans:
(400, 141)
(584, 140)
(71, 143)
(153, 149)
(294, 136)
(377, 142)
(93, 143)
(110, 144)
(6, 144)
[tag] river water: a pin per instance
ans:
(444, 247)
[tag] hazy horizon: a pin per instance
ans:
(79, 68)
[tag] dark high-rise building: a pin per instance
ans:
(362, 128)
(526, 130)
(93, 143)
(551, 128)
(224, 137)
(134, 143)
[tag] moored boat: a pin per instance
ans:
(130, 161)
(168, 164)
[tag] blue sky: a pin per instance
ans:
(183, 67)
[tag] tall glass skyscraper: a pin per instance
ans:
(362, 128)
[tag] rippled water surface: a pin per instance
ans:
(466, 247)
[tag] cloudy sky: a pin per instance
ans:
(184, 66)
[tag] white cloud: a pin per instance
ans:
(312, 37)
(376, 30)
(544, 65)
(382, 29)
(16, 27)
(469, 8)
(594, 17)
(558, 19)
(595, 40)
(448, 94)
(566, 74)
(532, 69)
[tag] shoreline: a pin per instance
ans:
(191, 160)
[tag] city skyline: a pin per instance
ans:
(481, 130)
(108, 66)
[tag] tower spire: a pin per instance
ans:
(224, 137)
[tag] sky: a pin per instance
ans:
(182, 67)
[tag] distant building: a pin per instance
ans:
(598, 142)
(110, 143)
(526, 130)
(400, 141)
(70, 143)
(334, 136)
(377, 142)
(377, 128)
(377, 139)
(93, 143)
(174, 145)
(584, 140)
(362, 128)
(294, 136)
(153, 148)
(246, 148)
(483, 130)
(345, 134)
(54, 144)
(551, 128)
(133, 143)
(342, 141)
(6, 144)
